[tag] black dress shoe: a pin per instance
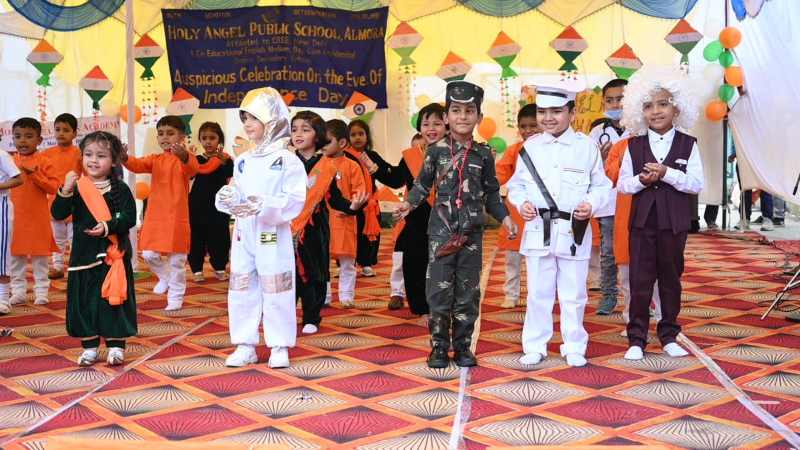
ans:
(695, 227)
(465, 358)
(438, 359)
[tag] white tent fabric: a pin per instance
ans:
(764, 121)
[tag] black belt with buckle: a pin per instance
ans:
(548, 216)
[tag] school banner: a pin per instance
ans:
(318, 56)
(86, 125)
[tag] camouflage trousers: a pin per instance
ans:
(453, 291)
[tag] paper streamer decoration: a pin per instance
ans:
(44, 58)
(360, 107)
(569, 44)
(404, 41)
(96, 84)
(146, 52)
(184, 105)
(454, 68)
(684, 39)
(504, 51)
(624, 62)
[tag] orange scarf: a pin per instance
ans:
(320, 178)
(115, 285)
(372, 226)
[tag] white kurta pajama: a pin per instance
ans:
(572, 170)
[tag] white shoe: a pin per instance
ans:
(624, 332)
(310, 328)
(198, 277)
(41, 301)
(221, 275)
(767, 225)
(242, 356)
(116, 356)
(676, 351)
(88, 357)
(509, 303)
(531, 359)
(18, 299)
(367, 271)
(174, 305)
(279, 358)
(5, 307)
(634, 353)
(348, 304)
(575, 360)
(160, 287)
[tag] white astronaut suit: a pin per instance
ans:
(268, 190)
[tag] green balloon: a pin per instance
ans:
(726, 59)
(414, 120)
(712, 51)
(726, 92)
(498, 144)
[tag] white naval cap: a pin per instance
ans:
(553, 97)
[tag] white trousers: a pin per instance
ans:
(548, 275)
(171, 269)
(396, 282)
(347, 279)
(19, 281)
(133, 237)
(625, 288)
(62, 233)
(6, 231)
(513, 268)
(262, 288)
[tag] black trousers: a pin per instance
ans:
(655, 255)
(415, 269)
(214, 238)
(312, 299)
(366, 250)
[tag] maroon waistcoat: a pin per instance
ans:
(672, 206)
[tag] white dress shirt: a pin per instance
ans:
(690, 182)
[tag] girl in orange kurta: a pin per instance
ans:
(165, 231)
(65, 157)
(32, 236)
(344, 240)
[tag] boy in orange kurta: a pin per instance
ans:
(32, 236)
(344, 238)
(65, 156)
(505, 166)
(165, 231)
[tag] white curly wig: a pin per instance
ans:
(652, 78)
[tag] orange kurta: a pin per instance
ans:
(166, 222)
(63, 159)
(624, 202)
(32, 233)
(344, 228)
(505, 169)
(372, 226)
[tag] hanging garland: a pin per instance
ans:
(52, 16)
(404, 41)
(45, 58)
(146, 52)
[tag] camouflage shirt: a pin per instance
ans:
(479, 188)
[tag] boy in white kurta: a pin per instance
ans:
(571, 168)
(268, 190)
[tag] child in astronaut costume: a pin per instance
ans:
(267, 191)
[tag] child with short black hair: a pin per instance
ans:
(101, 298)
(165, 235)
(65, 156)
(31, 213)
(210, 228)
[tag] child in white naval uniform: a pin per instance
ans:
(268, 190)
(571, 168)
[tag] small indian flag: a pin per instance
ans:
(404, 41)
(624, 62)
(45, 58)
(683, 38)
(147, 48)
(183, 105)
(504, 50)
(453, 68)
(360, 107)
(97, 85)
(569, 45)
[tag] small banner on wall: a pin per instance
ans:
(86, 125)
(318, 55)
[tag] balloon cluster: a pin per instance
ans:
(720, 51)
(486, 130)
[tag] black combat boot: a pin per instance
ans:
(438, 359)
(439, 326)
(464, 357)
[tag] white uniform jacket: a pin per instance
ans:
(572, 170)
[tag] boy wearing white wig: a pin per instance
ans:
(557, 185)
(661, 169)
(268, 190)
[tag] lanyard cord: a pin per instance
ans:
(460, 169)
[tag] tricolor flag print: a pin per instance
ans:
(624, 62)
(569, 45)
(97, 85)
(360, 107)
(453, 68)
(45, 58)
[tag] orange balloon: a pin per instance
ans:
(123, 113)
(487, 128)
(730, 37)
(716, 110)
(734, 76)
(142, 190)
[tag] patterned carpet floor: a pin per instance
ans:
(362, 382)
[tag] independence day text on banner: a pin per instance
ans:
(318, 55)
